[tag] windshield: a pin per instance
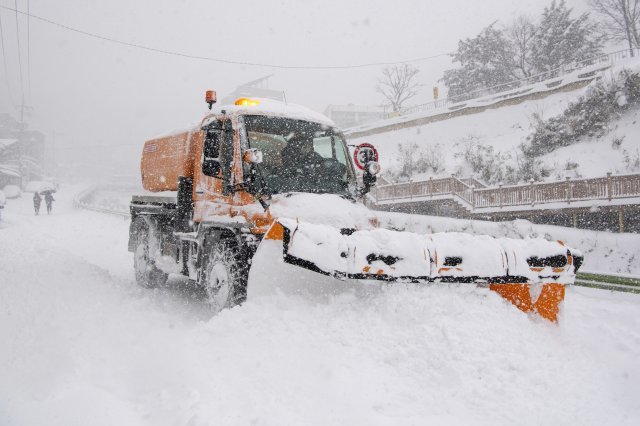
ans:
(300, 156)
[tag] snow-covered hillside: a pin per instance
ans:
(446, 145)
(618, 152)
(81, 344)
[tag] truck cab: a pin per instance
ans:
(251, 153)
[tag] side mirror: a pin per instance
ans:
(211, 167)
(365, 157)
(371, 169)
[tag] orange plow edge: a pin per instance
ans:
(533, 283)
(547, 304)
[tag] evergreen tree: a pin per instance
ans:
(561, 39)
(486, 61)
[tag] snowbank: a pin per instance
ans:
(12, 191)
(81, 344)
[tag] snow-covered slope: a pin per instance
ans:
(617, 152)
(81, 344)
(504, 129)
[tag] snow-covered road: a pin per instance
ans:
(80, 344)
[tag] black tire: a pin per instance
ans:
(147, 273)
(224, 274)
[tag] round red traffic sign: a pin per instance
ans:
(363, 154)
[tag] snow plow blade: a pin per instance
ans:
(531, 274)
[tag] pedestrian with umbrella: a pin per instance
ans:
(37, 200)
(48, 199)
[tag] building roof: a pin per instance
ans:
(353, 108)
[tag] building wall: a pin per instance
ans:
(28, 152)
(353, 115)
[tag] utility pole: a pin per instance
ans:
(24, 168)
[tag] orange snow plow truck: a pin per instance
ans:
(263, 191)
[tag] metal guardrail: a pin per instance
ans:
(79, 202)
(567, 191)
(628, 284)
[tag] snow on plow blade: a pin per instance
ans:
(531, 273)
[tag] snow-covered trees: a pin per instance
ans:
(622, 18)
(413, 159)
(483, 162)
(398, 84)
(485, 60)
(523, 48)
(560, 39)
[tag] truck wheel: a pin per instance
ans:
(224, 276)
(147, 274)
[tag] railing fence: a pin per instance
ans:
(476, 195)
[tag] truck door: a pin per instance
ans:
(213, 171)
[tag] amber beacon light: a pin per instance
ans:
(247, 102)
(210, 97)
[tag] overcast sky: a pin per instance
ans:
(106, 99)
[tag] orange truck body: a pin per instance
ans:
(164, 159)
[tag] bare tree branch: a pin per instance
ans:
(622, 18)
(521, 34)
(398, 85)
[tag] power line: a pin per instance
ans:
(4, 62)
(220, 60)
